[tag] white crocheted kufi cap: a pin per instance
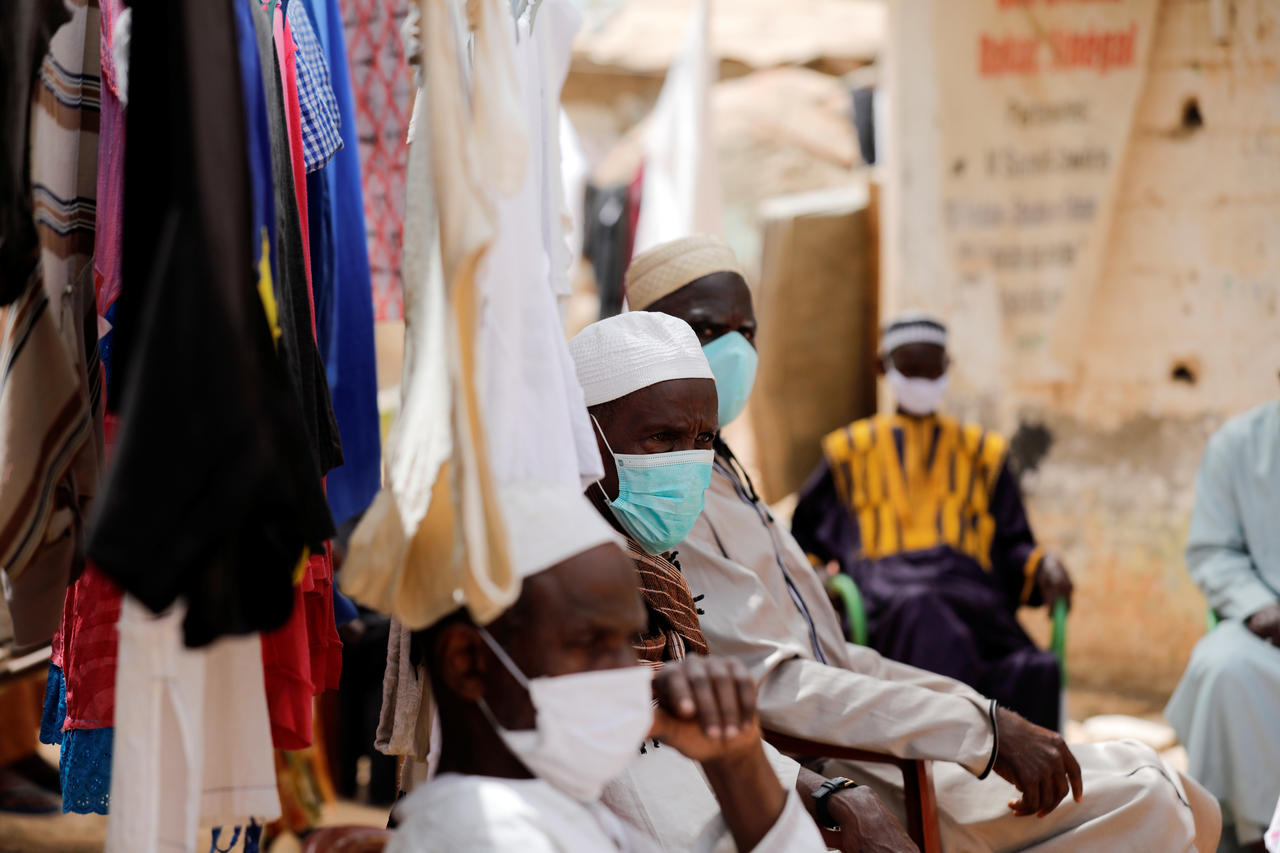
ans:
(912, 327)
(622, 354)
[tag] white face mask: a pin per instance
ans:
(589, 726)
(917, 396)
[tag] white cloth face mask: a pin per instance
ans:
(589, 725)
(915, 395)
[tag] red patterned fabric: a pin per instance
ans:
(87, 640)
(382, 85)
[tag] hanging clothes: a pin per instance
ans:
(196, 753)
(294, 292)
(534, 410)
(341, 283)
(50, 390)
(80, 696)
(435, 540)
(317, 104)
(302, 657)
(607, 242)
(25, 32)
(681, 190)
(383, 98)
(215, 488)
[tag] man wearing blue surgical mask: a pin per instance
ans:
(763, 604)
(652, 395)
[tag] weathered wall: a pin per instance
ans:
(1182, 330)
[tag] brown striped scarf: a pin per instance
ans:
(673, 616)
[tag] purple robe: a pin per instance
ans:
(926, 517)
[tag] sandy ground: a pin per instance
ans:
(86, 833)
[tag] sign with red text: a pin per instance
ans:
(1036, 101)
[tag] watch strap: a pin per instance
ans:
(823, 794)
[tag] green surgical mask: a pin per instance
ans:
(660, 495)
(733, 362)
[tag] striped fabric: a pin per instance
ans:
(44, 420)
(671, 608)
(51, 444)
(321, 122)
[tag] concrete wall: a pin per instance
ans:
(1183, 330)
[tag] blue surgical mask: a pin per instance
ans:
(660, 495)
(733, 363)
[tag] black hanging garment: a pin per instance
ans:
(215, 488)
(25, 30)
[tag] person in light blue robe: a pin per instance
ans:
(1226, 709)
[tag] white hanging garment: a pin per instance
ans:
(680, 193)
(192, 743)
(533, 405)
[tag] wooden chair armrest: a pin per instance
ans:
(917, 781)
(18, 666)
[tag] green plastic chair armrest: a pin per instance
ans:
(1058, 640)
(846, 590)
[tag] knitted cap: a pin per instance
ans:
(631, 351)
(668, 267)
(912, 327)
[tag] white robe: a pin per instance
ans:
(1225, 707)
(1133, 801)
(192, 737)
(485, 815)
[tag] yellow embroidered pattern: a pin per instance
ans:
(266, 291)
(937, 491)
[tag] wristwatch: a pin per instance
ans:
(824, 792)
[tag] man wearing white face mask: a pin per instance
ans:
(545, 705)
(926, 516)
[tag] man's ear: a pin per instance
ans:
(462, 661)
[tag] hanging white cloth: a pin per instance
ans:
(192, 738)
(680, 193)
(433, 540)
(537, 420)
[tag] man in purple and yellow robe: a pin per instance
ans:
(925, 514)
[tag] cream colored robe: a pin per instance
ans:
(736, 557)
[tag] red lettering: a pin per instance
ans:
(1008, 55)
(1100, 50)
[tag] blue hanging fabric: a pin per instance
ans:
(217, 834)
(253, 837)
(342, 288)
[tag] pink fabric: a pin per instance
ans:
(110, 210)
(383, 91)
(87, 642)
(286, 51)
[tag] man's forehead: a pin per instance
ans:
(720, 289)
(596, 585)
(667, 401)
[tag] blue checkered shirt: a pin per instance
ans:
(321, 123)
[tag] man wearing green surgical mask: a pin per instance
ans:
(1001, 780)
